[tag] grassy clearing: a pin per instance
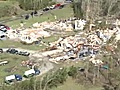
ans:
(60, 13)
(14, 65)
(15, 44)
(71, 85)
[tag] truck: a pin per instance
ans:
(12, 78)
(31, 73)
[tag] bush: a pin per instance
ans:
(9, 8)
(72, 71)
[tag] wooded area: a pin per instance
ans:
(96, 9)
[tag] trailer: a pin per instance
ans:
(31, 73)
(12, 78)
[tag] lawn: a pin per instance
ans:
(16, 44)
(71, 85)
(64, 13)
(14, 65)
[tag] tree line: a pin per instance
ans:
(33, 4)
(95, 9)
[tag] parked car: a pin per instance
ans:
(20, 53)
(1, 50)
(57, 5)
(46, 9)
(52, 7)
(61, 6)
(12, 51)
(23, 53)
(26, 54)
(4, 28)
(69, 1)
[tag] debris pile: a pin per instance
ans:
(84, 44)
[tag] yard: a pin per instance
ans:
(14, 65)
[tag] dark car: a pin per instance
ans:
(12, 51)
(35, 12)
(69, 1)
(23, 53)
(46, 9)
(62, 6)
(1, 50)
(27, 17)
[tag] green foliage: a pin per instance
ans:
(54, 79)
(78, 12)
(72, 71)
(93, 9)
(34, 4)
(14, 7)
(8, 8)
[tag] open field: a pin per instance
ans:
(14, 65)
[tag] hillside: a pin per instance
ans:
(9, 8)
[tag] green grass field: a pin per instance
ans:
(60, 13)
(15, 44)
(14, 65)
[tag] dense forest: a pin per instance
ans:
(95, 9)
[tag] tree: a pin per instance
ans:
(54, 79)
(95, 9)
